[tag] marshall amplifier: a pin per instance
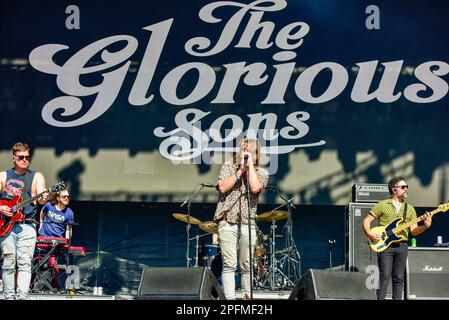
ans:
(370, 192)
(427, 273)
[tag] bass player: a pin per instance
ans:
(392, 261)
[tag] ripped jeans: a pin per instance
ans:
(17, 247)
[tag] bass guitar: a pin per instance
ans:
(392, 232)
(16, 206)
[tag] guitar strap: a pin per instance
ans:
(26, 183)
(405, 210)
(28, 175)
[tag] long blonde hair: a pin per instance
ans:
(251, 145)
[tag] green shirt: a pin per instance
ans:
(385, 212)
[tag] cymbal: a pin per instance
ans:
(185, 218)
(272, 215)
(209, 226)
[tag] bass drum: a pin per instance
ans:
(217, 267)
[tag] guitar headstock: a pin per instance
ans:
(443, 207)
(58, 187)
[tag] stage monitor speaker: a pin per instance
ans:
(370, 192)
(332, 285)
(358, 252)
(171, 283)
(427, 273)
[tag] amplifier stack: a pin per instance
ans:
(364, 196)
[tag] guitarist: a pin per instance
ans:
(392, 261)
(18, 245)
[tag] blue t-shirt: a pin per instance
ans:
(55, 221)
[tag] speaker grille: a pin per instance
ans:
(332, 285)
(428, 273)
(179, 284)
(359, 253)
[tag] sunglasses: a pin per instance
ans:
(23, 157)
(65, 197)
(402, 187)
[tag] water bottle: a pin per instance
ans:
(414, 242)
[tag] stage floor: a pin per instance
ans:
(34, 296)
(257, 295)
(265, 295)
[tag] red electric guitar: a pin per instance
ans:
(7, 223)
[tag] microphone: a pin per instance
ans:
(208, 185)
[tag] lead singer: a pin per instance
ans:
(232, 213)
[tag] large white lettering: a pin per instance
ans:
(68, 79)
(188, 140)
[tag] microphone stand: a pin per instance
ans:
(188, 201)
(331, 243)
(249, 235)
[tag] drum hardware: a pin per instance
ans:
(284, 268)
(189, 219)
(197, 247)
(207, 226)
(276, 278)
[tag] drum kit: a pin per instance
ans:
(274, 267)
(202, 252)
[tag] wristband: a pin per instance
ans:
(239, 178)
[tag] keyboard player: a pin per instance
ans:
(56, 220)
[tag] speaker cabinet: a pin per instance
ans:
(358, 252)
(169, 283)
(332, 285)
(427, 273)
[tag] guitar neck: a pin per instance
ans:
(413, 221)
(28, 201)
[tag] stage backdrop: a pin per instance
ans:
(140, 100)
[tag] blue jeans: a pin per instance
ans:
(18, 248)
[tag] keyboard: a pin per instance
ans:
(52, 241)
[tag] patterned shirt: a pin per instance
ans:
(233, 205)
(385, 212)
